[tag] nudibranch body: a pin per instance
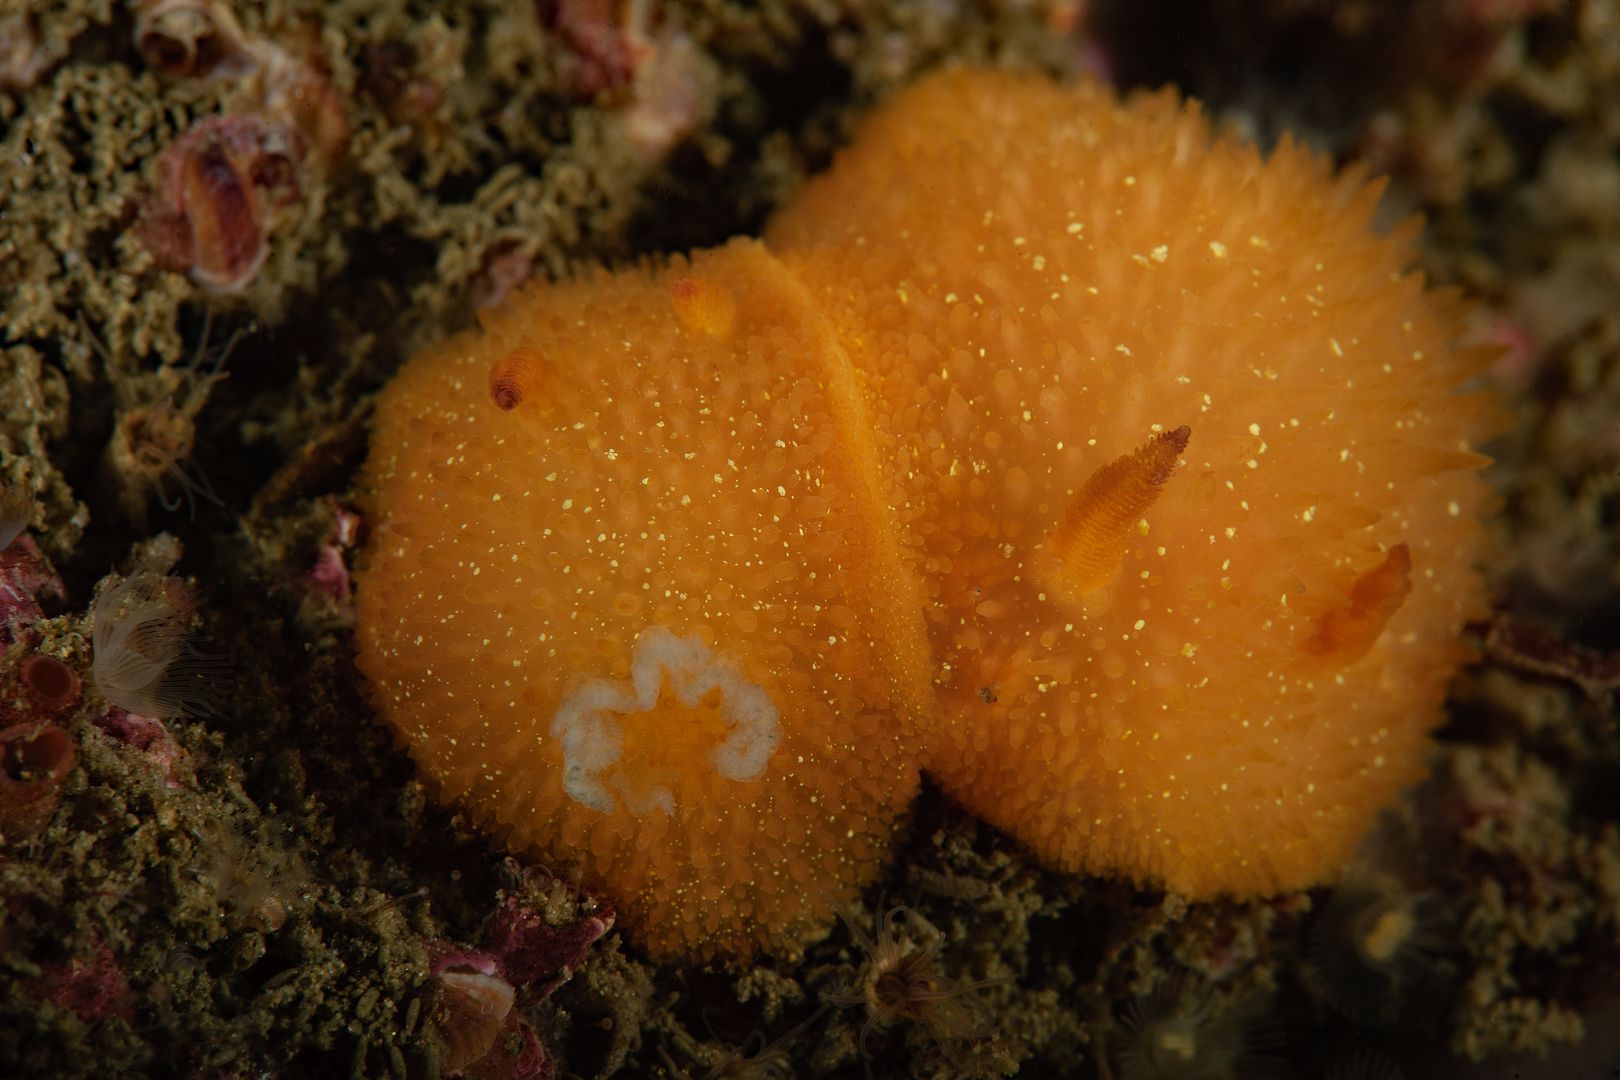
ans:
(633, 601)
(1115, 476)
(1035, 278)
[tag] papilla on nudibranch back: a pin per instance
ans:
(1116, 476)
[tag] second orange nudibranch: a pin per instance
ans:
(1118, 477)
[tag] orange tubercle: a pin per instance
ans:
(703, 306)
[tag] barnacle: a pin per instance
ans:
(49, 681)
(145, 658)
(34, 760)
(192, 39)
(218, 191)
(470, 1004)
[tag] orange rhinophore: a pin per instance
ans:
(1345, 634)
(802, 519)
(703, 306)
(1086, 548)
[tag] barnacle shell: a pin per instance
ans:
(34, 760)
(191, 38)
(470, 1003)
(218, 190)
(50, 681)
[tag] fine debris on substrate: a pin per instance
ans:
(252, 889)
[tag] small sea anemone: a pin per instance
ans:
(34, 760)
(156, 430)
(757, 1059)
(899, 982)
(1373, 951)
(158, 442)
(145, 659)
(1181, 1034)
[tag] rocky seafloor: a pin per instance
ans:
(257, 885)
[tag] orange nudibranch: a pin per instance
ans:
(683, 575)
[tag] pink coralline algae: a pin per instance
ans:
(606, 40)
(329, 576)
(1535, 649)
(475, 989)
(25, 576)
(147, 736)
(218, 191)
(506, 269)
(534, 954)
(92, 989)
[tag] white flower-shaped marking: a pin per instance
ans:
(587, 721)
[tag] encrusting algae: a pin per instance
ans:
(1116, 476)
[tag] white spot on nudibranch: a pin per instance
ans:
(586, 723)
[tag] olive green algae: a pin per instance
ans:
(266, 890)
